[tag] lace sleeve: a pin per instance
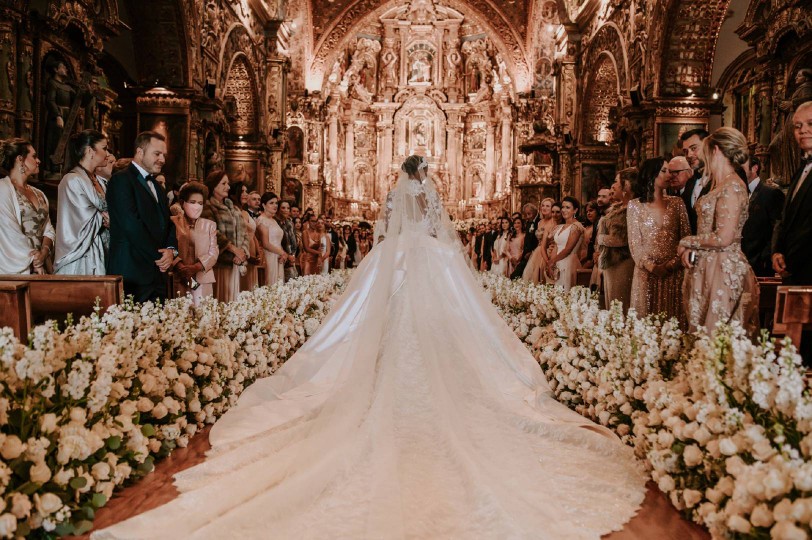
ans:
(635, 233)
(727, 221)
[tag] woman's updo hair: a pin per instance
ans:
(731, 143)
(80, 142)
(267, 197)
(643, 185)
(214, 178)
(413, 164)
(10, 150)
(576, 205)
(190, 188)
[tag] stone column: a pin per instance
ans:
(349, 155)
(507, 145)
(490, 159)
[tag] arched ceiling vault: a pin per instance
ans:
(507, 22)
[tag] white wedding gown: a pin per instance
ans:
(414, 412)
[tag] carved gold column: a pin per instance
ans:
(349, 154)
(490, 158)
(25, 87)
(8, 78)
(507, 144)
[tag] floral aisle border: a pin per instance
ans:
(86, 409)
(723, 424)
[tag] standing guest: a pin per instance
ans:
(359, 256)
(197, 244)
(333, 233)
(82, 230)
(534, 271)
(698, 185)
(680, 172)
(297, 227)
(349, 237)
(26, 233)
(720, 285)
(249, 279)
(515, 246)
(793, 234)
(340, 260)
(324, 249)
(311, 243)
(365, 244)
(271, 236)
(254, 204)
(591, 225)
(656, 222)
(555, 211)
(614, 258)
(604, 201)
(531, 221)
(290, 241)
(295, 211)
(142, 237)
(563, 266)
(231, 238)
(479, 246)
(499, 254)
(105, 171)
(763, 213)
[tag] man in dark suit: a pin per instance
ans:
(479, 245)
(530, 213)
(142, 237)
(698, 185)
(764, 211)
(793, 234)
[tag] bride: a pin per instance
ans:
(414, 412)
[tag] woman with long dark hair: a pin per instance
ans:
(83, 227)
(656, 223)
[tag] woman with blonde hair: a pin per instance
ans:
(537, 265)
(720, 286)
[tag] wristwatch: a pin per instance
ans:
(174, 251)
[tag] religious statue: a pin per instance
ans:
(389, 68)
(59, 96)
(485, 91)
(453, 61)
(504, 77)
(292, 190)
(420, 71)
(295, 144)
(359, 91)
(478, 186)
(419, 133)
(784, 153)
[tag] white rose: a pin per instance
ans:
(159, 411)
(802, 510)
(702, 435)
(666, 483)
(786, 530)
(40, 473)
(738, 523)
(802, 477)
(194, 406)
(8, 524)
(763, 450)
(145, 404)
(713, 449)
(63, 476)
(692, 455)
(78, 415)
(776, 483)
(692, 497)
(726, 485)
(762, 516)
(12, 448)
(48, 423)
(100, 471)
(47, 503)
(665, 439)
(783, 510)
(728, 447)
(714, 495)
(154, 446)
(20, 506)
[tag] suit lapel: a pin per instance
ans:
(792, 204)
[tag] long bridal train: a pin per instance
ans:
(414, 412)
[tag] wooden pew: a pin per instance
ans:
(768, 289)
(54, 296)
(793, 312)
(583, 277)
(15, 308)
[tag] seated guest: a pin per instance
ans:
(271, 235)
(614, 258)
(26, 234)
(197, 244)
(656, 224)
(763, 213)
(82, 230)
(142, 237)
(231, 238)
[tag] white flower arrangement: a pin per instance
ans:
(722, 424)
(464, 225)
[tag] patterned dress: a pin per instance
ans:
(654, 239)
(721, 287)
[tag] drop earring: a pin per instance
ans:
(22, 169)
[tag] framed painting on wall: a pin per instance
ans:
(594, 177)
(175, 127)
(669, 132)
(245, 170)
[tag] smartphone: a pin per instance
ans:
(692, 258)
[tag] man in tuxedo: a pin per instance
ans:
(793, 234)
(142, 237)
(764, 211)
(603, 201)
(530, 213)
(698, 185)
(479, 244)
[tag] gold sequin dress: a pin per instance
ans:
(654, 239)
(721, 286)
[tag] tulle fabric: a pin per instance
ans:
(414, 412)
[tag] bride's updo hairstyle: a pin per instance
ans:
(412, 164)
(731, 143)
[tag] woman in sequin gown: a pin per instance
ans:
(656, 223)
(721, 286)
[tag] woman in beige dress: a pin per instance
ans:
(515, 245)
(656, 223)
(26, 233)
(197, 245)
(615, 259)
(231, 238)
(270, 235)
(720, 286)
(537, 264)
(238, 193)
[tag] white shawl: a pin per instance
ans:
(15, 248)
